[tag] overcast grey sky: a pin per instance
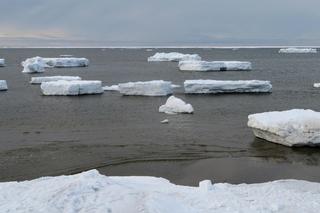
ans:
(163, 22)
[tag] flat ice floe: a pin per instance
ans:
(39, 80)
(294, 127)
(175, 105)
(146, 88)
(174, 56)
(2, 62)
(215, 65)
(63, 87)
(216, 86)
(298, 50)
(92, 192)
(66, 62)
(33, 65)
(3, 85)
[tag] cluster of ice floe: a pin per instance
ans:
(214, 65)
(298, 50)
(3, 85)
(39, 80)
(174, 56)
(2, 62)
(92, 192)
(175, 105)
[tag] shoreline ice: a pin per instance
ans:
(174, 56)
(215, 66)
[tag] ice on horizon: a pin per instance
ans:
(297, 50)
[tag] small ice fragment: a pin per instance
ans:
(2, 62)
(3, 85)
(175, 105)
(165, 121)
(316, 85)
(146, 88)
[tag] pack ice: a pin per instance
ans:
(294, 127)
(216, 86)
(39, 80)
(174, 56)
(3, 85)
(92, 192)
(215, 65)
(298, 50)
(63, 87)
(175, 105)
(146, 88)
(33, 65)
(2, 62)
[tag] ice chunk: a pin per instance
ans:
(111, 88)
(215, 65)
(33, 65)
(63, 87)
(298, 50)
(205, 185)
(39, 80)
(215, 86)
(146, 88)
(2, 62)
(316, 85)
(294, 127)
(175, 105)
(66, 62)
(3, 85)
(165, 121)
(173, 56)
(66, 56)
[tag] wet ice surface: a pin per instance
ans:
(123, 135)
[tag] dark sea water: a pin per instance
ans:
(122, 135)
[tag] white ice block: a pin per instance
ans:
(173, 56)
(298, 50)
(39, 80)
(66, 62)
(33, 65)
(111, 88)
(215, 65)
(71, 87)
(217, 86)
(146, 88)
(294, 127)
(2, 62)
(175, 105)
(3, 85)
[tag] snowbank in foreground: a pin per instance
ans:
(215, 65)
(92, 192)
(39, 80)
(294, 127)
(297, 50)
(175, 105)
(3, 85)
(2, 62)
(33, 65)
(214, 86)
(146, 88)
(63, 87)
(174, 56)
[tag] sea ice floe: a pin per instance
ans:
(92, 192)
(175, 105)
(218, 86)
(146, 88)
(316, 85)
(3, 85)
(294, 127)
(2, 62)
(298, 50)
(33, 65)
(63, 87)
(111, 88)
(215, 65)
(39, 80)
(173, 56)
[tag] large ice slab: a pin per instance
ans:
(146, 88)
(298, 50)
(215, 65)
(3, 85)
(63, 87)
(92, 192)
(173, 56)
(34, 65)
(294, 127)
(39, 80)
(175, 105)
(66, 62)
(2, 62)
(216, 86)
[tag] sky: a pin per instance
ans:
(159, 23)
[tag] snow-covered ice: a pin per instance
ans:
(165, 121)
(217, 86)
(33, 65)
(294, 127)
(111, 88)
(174, 56)
(316, 85)
(39, 80)
(2, 62)
(63, 87)
(3, 85)
(146, 88)
(215, 65)
(66, 62)
(92, 192)
(175, 105)
(298, 50)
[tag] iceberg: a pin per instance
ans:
(92, 192)
(66, 62)
(216, 86)
(146, 88)
(2, 62)
(215, 66)
(298, 50)
(39, 80)
(174, 56)
(63, 87)
(33, 65)
(175, 105)
(3, 85)
(296, 127)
